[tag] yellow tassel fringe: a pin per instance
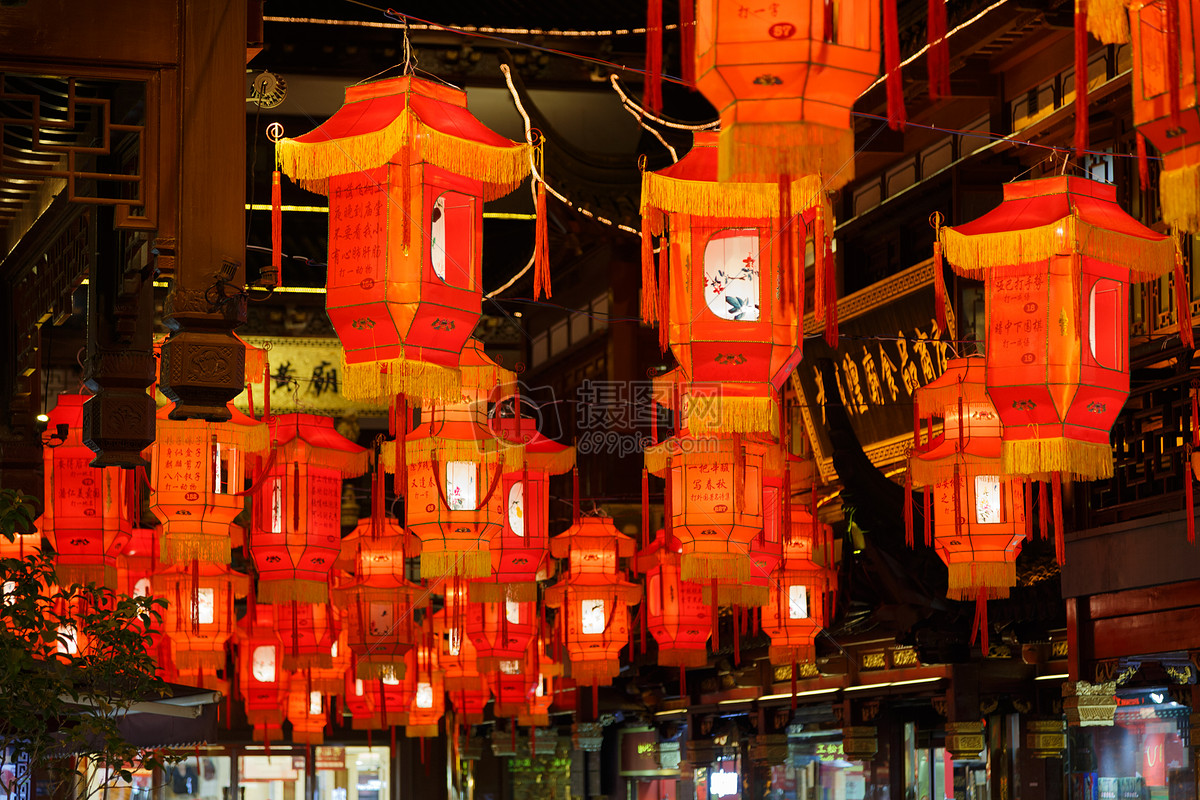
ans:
(421, 731)
(311, 165)
(445, 563)
(974, 256)
(933, 472)
(736, 594)
(371, 670)
(786, 148)
(713, 199)
(193, 660)
(682, 658)
(1108, 21)
(70, 574)
(1179, 193)
(783, 655)
(996, 577)
(524, 592)
(350, 464)
(705, 567)
(602, 672)
(247, 438)
(292, 590)
(731, 415)
(1084, 460)
(293, 663)
(183, 548)
(554, 463)
(375, 381)
(934, 400)
(486, 452)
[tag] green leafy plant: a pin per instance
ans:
(73, 662)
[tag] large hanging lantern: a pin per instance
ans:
(407, 169)
(676, 614)
(261, 677)
(730, 287)
(454, 464)
(979, 513)
(199, 619)
(297, 518)
(593, 598)
(197, 477)
(1056, 258)
(1166, 101)
(329, 680)
(784, 78)
(797, 608)
(378, 602)
(87, 514)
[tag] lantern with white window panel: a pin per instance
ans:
(979, 513)
(361, 698)
(677, 615)
(593, 597)
(197, 474)
(454, 463)
(797, 607)
(306, 712)
(261, 678)
(500, 632)
(429, 697)
(537, 703)
(297, 530)
(199, 619)
(396, 693)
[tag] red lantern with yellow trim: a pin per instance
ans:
(297, 518)
(261, 678)
(197, 476)
(500, 632)
(470, 699)
(87, 514)
(798, 607)
(544, 669)
(428, 695)
(676, 614)
(306, 712)
(309, 632)
(361, 698)
(199, 620)
(407, 169)
(1056, 258)
(784, 78)
(979, 513)
(730, 287)
(1166, 101)
(593, 598)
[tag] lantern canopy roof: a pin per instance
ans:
(592, 533)
(1057, 216)
(971, 433)
(311, 439)
(381, 118)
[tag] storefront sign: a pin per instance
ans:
(329, 757)
(306, 377)
(641, 754)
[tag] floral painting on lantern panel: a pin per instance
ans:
(731, 275)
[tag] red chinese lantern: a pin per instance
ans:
(676, 614)
(470, 699)
(765, 551)
(797, 609)
(730, 287)
(1056, 258)
(329, 680)
(428, 695)
(378, 601)
(456, 652)
(404, 297)
(197, 476)
(718, 484)
(306, 712)
(784, 78)
(362, 698)
(261, 677)
(500, 632)
(199, 619)
(979, 513)
(309, 632)
(297, 520)
(520, 550)
(135, 566)
(537, 702)
(87, 514)
(454, 462)
(396, 693)
(1166, 102)
(593, 597)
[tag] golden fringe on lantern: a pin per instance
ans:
(706, 566)
(266, 718)
(553, 463)
(1087, 461)
(1108, 21)
(682, 658)
(724, 414)
(293, 662)
(193, 660)
(702, 450)
(736, 594)
(370, 669)
(182, 548)
(370, 381)
(770, 149)
(941, 470)
(421, 731)
(783, 655)
(292, 590)
(485, 452)
(712, 199)
(532, 720)
(350, 464)
(70, 574)
(247, 438)
(312, 164)
(517, 592)
(587, 672)
(1179, 193)
(996, 577)
(974, 256)
(445, 563)
(308, 737)
(934, 400)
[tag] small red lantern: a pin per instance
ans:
(197, 476)
(404, 300)
(306, 712)
(362, 700)
(297, 519)
(1056, 258)
(676, 614)
(593, 597)
(261, 677)
(309, 632)
(87, 514)
(1166, 101)
(784, 78)
(428, 695)
(500, 632)
(797, 608)
(470, 699)
(199, 619)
